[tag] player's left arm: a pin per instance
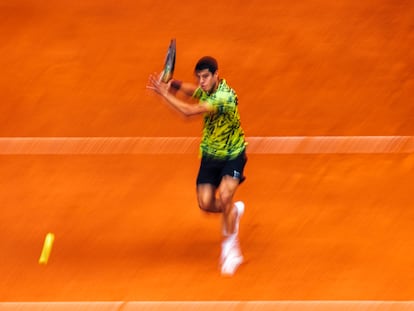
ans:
(187, 109)
(186, 88)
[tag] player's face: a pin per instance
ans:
(206, 80)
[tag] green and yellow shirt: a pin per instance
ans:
(223, 136)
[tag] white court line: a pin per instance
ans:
(189, 145)
(293, 305)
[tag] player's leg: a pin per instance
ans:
(227, 189)
(208, 179)
(232, 176)
(207, 201)
(231, 256)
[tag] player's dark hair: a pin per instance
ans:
(207, 62)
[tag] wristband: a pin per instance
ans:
(176, 84)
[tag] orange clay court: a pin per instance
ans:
(326, 92)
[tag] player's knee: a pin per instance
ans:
(226, 198)
(205, 205)
(202, 206)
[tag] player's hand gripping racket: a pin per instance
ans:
(169, 63)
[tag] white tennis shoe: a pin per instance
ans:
(231, 256)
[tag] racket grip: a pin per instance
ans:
(166, 75)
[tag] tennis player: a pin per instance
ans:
(222, 149)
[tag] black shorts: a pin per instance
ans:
(212, 170)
